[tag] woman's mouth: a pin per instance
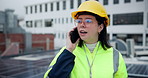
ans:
(82, 32)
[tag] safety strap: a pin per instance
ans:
(115, 60)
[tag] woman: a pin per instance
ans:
(90, 56)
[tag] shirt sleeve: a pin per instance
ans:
(63, 66)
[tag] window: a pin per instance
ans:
(28, 23)
(62, 20)
(147, 20)
(116, 1)
(55, 20)
(48, 23)
(71, 20)
(128, 19)
(58, 5)
(1, 28)
(35, 8)
(38, 23)
(59, 35)
(46, 7)
(79, 2)
(71, 4)
(31, 9)
(146, 39)
(139, 0)
(59, 20)
(26, 10)
(64, 5)
(66, 20)
(127, 1)
(51, 7)
(105, 2)
(40, 8)
(62, 35)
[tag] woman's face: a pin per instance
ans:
(88, 28)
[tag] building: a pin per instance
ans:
(14, 39)
(128, 19)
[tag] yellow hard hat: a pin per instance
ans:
(93, 7)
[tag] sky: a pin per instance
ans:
(18, 5)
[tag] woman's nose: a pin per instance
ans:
(83, 24)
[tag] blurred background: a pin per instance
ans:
(33, 31)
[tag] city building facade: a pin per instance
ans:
(128, 19)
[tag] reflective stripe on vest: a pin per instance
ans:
(115, 60)
(46, 74)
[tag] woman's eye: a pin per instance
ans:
(78, 21)
(88, 21)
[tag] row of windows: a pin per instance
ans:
(45, 6)
(128, 19)
(49, 22)
(38, 23)
(60, 35)
(105, 2)
(118, 19)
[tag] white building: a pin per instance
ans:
(128, 19)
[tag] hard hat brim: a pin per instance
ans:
(73, 14)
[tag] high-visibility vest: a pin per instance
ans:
(107, 63)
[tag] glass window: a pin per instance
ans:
(139, 0)
(66, 20)
(31, 9)
(71, 19)
(105, 2)
(35, 8)
(40, 8)
(28, 23)
(59, 35)
(38, 23)
(55, 20)
(46, 7)
(62, 20)
(128, 19)
(58, 5)
(26, 10)
(146, 39)
(1, 28)
(127, 1)
(71, 4)
(116, 1)
(48, 23)
(79, 2)
(147, 20)
(62, 35)
(51, 7)
(59, 20)
(64, 5)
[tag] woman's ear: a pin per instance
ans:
(100, 28)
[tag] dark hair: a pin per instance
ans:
(103, 34)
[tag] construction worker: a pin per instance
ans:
(90, 56)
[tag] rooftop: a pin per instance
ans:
(35, 65)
